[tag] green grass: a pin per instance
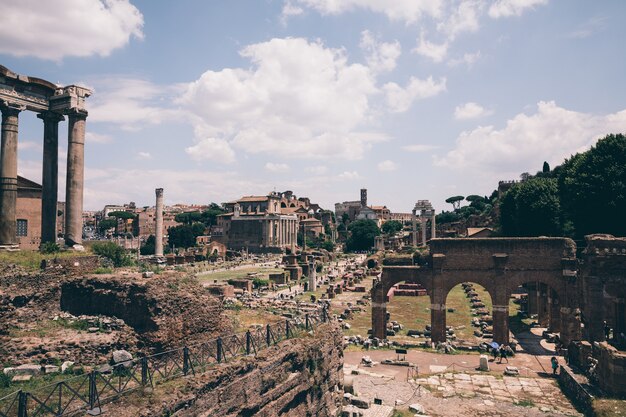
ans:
(31, 260)
(44, 328)
(609, 407)
(525, 403)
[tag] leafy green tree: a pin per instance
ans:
(546, 167)
(532, 208)
(447, 217)
(106, 224)
(455, 201)
(184, 236)
(209, 216)
(148, 247)
(121, 215)
(328, 245)
(391, 227)
(188, 218)
(114, 252)
(592, 188)
(362, 234)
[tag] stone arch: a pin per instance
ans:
(466, 300)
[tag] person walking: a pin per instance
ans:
(555, 364)
(503, 354)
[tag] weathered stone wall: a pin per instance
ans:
(575, 389)
(611, 369)
(166, 312)
(77, 265)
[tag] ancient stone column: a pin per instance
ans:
(501, 323)
(379, 311)
(423, 225)
(531, 287)
(433, 232)
(312, 276)
(594, 309)
(438, 316)
(75, 179)
(555, 312)
(8, 177)
(543, 317)
(414, 221)
(158, 228)
(50, 175)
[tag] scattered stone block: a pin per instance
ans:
(120, 356)
(21, 378)
(28, 369)
(51, 369)
(511, 370)
(416, 408)
(8, 370)
(66, 365)
(484, 363)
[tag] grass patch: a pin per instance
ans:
(609, 407)
(31, 260)
(45, 328)
(402, 413)
(525, 403)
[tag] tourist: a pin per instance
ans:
(555, 364)
(503, 354)
(494, 353)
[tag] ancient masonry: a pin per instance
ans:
(20, 93)
(158, 233)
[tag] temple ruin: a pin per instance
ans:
(52, 103)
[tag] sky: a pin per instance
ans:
(411, 99)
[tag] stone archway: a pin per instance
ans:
(500, 265)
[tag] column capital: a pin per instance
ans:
(77, 113)
(10, 109)
(50, 116)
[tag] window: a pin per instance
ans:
(22, 227)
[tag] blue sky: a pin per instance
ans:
(411, 99)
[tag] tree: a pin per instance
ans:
(362, 234)
(121, 215)
(148, 247)
(114, 252)
(106, 224)
(447, 217)
(592, 188)
(188, 218)
(184, 236)
(391, 227)
(209, 216)
(455, 201)
(328, 245)
(546, 167)
(532, 208)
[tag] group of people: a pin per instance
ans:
(502, 353)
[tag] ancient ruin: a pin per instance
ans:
(20, 93)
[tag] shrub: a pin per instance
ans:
(111, 251)
(49, 247)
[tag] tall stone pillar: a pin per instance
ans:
(50, 175)
(379, 311)
(414, 221)
(555, 312)
(620, 319)
(531, 304)
(8, 177)
(312, 275)
(158, 228)
(433, 229)
(501, 322)
(75, 179)
(423, 224)
(543, 316)
(438, 316)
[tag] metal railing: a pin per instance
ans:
(87, 392)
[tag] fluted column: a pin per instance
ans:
(50, 175)
(75, 178)
(8, 176)
(158, 228)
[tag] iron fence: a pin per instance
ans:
(87, 392)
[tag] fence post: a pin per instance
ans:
(268, 335)
(185, 360)
(93, 390)
(144, 371)
(306, 321)
(287, 329)
(220, 350)
(248, 342)
(22, 404)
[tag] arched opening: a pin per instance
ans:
(292, 205)
(283, 205)
(408, 313)
(469, 315)
(535, 318)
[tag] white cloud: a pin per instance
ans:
(408, 11)
(298, 100)
(590, 27)
(317, 170)
(471, 110)
(212, 149)
(551, 134)
(144, 155)
(56, 29)
(400, 99)
(507, 8)
(468, 59)
(131, 103)
(289, 9)
(381, 56)
(26, 145)
(349, 175)
(419, 148)
(386, 166)
(463, 19)
(91, 137)
(436, 52)
(276, 168)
